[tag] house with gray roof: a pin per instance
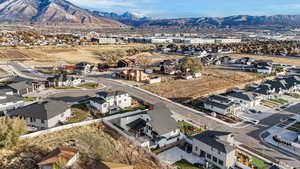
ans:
(245, 99)
(156, 125)
(216, 147)
(44, 114)
(9, 99)
(221, 105)
(106, 102)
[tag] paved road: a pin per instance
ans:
(25, 72)
(248, 135)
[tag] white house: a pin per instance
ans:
(108, 101)
(221, 105)
(44, 114)
(245, 99)
(9, 100)
(157, 125)
(218, 148)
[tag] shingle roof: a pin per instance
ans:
(212, 138)
(110, 94)
(219, 105)
(11, 98)
(219, 98)
(294, 109)
(41, 110)
(57, 154)
(162, 121)
(98, 100)
(242, 96)
(137, 124)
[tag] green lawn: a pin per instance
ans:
(183, 164)
(130, 109)
(258, 163)
(297, 125)
(188, 128)
(79, 113)
(280, 101)
(295, 95)
(29, 99)
(89, 85)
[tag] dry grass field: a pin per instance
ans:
(213, 81)
(58, 55)
(276, 59)
(95, 143)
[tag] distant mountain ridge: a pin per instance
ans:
(128, 18)
(231, 21)
(50, 12)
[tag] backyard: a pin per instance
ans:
(79, 113)
(188, 129)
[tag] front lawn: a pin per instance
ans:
(295, 95)
(258, 163)
(130, 109)
(188, 129)
(79, 113)
(29, 99)
(280, 101)
(183, 164)
(89, 85)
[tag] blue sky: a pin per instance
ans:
(194, 8)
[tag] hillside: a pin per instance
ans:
(50, 12)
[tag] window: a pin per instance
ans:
(215, 159)
(42, 121)
(202, 153)
(196, 148)
(221, 162)
(208, 156)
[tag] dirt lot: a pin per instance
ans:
(95, 143)
(276, 59)
(213, 81)
(57, 55)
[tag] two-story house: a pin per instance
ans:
(221, 105)
(157, 125)
(217, 148)
(9, 100)
(245, 99)
(109, 101)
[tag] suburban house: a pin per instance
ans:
(126, 63)
(245, 99)
(62, 80)
(265, 91)
(263, 66)
(170, 66)
(83, 67)
(23, 86)
(157, 125)
(69, 155)
(134, 75)
(109, 101)
(9, 100)
(45, 114)
(217, 148)
(221, 105)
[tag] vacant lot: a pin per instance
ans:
(95, 142)
(276, 59)
(213, 81)
(53, 55)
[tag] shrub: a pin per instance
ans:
(10, 131)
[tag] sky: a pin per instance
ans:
(194, 8)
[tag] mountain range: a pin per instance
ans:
(50, 12)
(63, 12)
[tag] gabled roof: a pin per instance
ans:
(41, 110)
(98, 100)
(110, 94)
(58, 154)
(215, 140)
(137, 124)
(242, 96)
(219, 98)
(218, 105)
(162, 121)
